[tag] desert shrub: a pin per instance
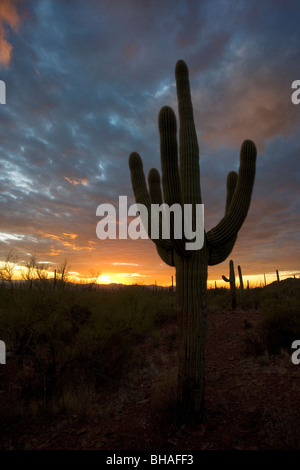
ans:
(282, 428)
(279, 325)
(218, 299)
(250, 298)
(61, 337)
(135, 310)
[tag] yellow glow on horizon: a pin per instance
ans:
(104, 279)
(129, 278)
(255, 280)
(120, 278)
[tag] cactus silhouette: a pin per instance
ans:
(231, 279)
(241, 278)
(181, 185)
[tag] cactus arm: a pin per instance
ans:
(169, 156)
(154, 186)
(138, 180)
(232, 221)
(218, 254)
(167, 255)
(188, 143)
(170, 171)
(232, 178)
(142, 195)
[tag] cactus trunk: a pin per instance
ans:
(231, 280)
(241, 278)
(191, 279)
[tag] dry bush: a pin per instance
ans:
(278, 327)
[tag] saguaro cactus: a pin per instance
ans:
(241, 278)
(181, 184)
(231, 279)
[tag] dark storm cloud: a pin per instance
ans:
(85, 83)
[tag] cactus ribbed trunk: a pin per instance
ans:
(191, 279)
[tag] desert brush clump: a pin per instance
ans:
(279, 324)
(65, 342)
(181, 185)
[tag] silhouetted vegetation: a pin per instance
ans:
(52, 335)
(67, 346)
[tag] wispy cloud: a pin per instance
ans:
(74, 181)
(125, 264)
(64, 238)
(85, 83)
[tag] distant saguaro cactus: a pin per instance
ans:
(181, 185)
(277, 274)
(241, 278)
(231, 280)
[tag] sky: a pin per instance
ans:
(85, 81)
